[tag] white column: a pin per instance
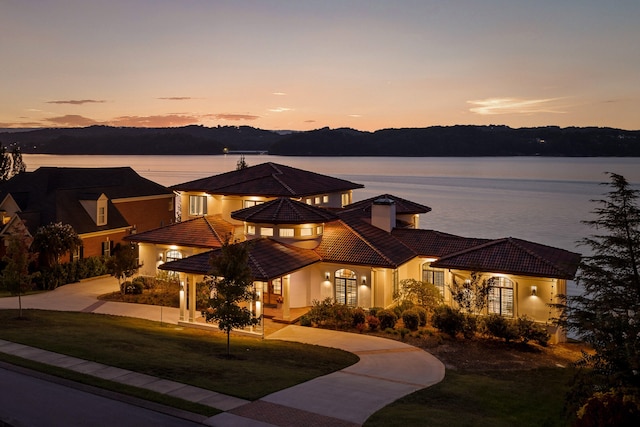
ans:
(183, 301)
(192, 298)
(286, 313)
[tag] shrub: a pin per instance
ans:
(305, 320)
(411, 319)
(373, 322)
(403, 332)
(531, 331)
(387, 319)
(373, 311)
(146, 282)
(422, 313)
(131, 288)
(402, 306)
(359, 317)
(470, 326)
(499, 327)
(448, 320)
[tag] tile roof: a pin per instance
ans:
(357, 242)
(430, 243)
(403, 206)
(268, 259)
(514, 256)
(284, 211)
(51, 194)
(269, 180)
(201, 232)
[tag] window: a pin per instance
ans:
(345, 199)
(197, 205)
(251, 203)
(106, 248)
(346, 287)
(305, 232)
(325, 199)
(501, 296)
(102, 215)
(266, 231)
(251, 229)
(286, 232)
(276, 286)
(173, 255)
(319, 230)
(433, 276)
(317, 200)
(309, 201)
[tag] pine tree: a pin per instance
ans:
(607, 313)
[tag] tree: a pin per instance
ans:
(16, 277)
(606, 314)
(471, 295)
(123, 263)
(231, 281)
(241, 164)
(10, 163)
(424, 294)
(54, 240)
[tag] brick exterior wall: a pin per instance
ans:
(148, 214)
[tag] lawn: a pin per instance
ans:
(496, 398)
(257, 368)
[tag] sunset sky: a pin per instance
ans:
(303, 64)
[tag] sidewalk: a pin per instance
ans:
(387, 370)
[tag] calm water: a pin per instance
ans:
(533, 198)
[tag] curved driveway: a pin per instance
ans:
(387, 370)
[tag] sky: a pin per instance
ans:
(302, 64)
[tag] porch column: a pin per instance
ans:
(191, 283)
(286, 313)
(183, 301)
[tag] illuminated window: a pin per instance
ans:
(317, 200)
(173, 255)
(276, 286)
(306, 232)
(501, 296)
(106, 248)
(325, 199)
(309, 201)
(251, 203)
(251, 229)
(346, 287)
(433, 276)
(197, 205)
(345, 199)
(286, 232)
(319, 230)
(266, 231)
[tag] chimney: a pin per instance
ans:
(383, 213)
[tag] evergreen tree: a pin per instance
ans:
(232, 284)
(606, 314)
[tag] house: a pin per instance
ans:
(103, 205)
(308, 242)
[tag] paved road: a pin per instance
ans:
(29, 401)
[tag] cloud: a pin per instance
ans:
(176, 98)
(78, 101)
(279, 94)
(228, 116)
(354, 115)
(496, 106)
(71, 120)
(279, 109)
(309, 121)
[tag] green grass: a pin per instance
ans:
(190, 356)
(497, 398)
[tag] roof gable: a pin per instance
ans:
(269, 180)
(514, 256)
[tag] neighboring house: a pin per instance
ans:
(103, 205)
(309, 242)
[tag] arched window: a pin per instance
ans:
(501, 296)
(173, 255)
(346, 287)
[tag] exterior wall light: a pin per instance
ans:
(364, 281)
(534, 291)
(327, 276)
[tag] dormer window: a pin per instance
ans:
(97, 207)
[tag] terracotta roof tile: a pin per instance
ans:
(514, 256)
(202, 232)
(284, 211)
(269, 180)
(403, 206)
(430, 243)
(268, 259)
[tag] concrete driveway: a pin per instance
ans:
(387, 370)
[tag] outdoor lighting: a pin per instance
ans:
(534, 291)
(364, 281)
(327, 276)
